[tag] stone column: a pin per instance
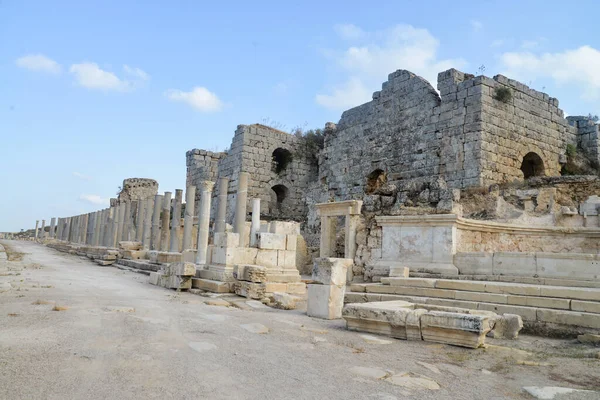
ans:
(139, 221)
(155, 234)
(59, 229)
(164, 222)
(37, 224)
(148, 207)
(121, 221)
(188, 222)
(240, 206)
(220, 221)
(175, 221)
(126, 221)
(68, 229)
(43, 229)
(204, 221)
(91, 228)
(85, 235)
(255, 227)
(52, 226)
(114, 226)
(75, 229)
(107, 226)
(97, 227)
(328, 228)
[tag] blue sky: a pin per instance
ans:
(92, 92)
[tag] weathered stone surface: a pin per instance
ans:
(331, 271)
(507, 326)
(589, 338)
(325, 301)
(271, 241)
(453, 328)
(384, 318)
(181, 269)
(283, 301)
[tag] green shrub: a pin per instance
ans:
(502, 94)
(571, 150)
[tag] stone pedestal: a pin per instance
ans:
(220, 221)
(240, 206)
(188, 221)
(155, 234)
(176, 221)
(164, 222)
(204, 221)
(325, 301)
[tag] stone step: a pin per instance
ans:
(447, 287)
(212, 286)
(512, 278)
(139, 264)
(570, 318)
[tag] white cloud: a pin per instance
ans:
(93, 199)
(376, 54)
(136, 72)
(199, 98)
(40, 63)
(347, 95)
(577, 67)
(91, 76)
(348, 31)
(476, 25)
(82, 176)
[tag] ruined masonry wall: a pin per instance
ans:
(201, 165)
(134, 189)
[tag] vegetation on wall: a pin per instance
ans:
(502, 94)
(310, 144)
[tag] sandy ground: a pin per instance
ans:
(117, 337)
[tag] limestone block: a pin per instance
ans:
(507, 326)
(413, 324)
(286, 258)
(154, 278)
(189, 255)
(464, 330)
(166, 257)
(246, 255)
(250, 273)
(325, 301)
(590, 206)
(152, 256)
(212, 286)
(571, 293)
(521, 264)
(331, 271)
(291, 242)
(296, 288)
(412, 282)
(586, 320)
(272, 287)
(527, 313)
(271, 241)
(179, 282)
(589, 338)
(476, 263)
(125, 245)
(383, 318)
(133, 254)
(284, 301)
(224, 255)
(284, 227)
(544, 302)
(267, 258)
(567, 265)
(586, 306)
(249, 290)
(226, 239)
(181, 269)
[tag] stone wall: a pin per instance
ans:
(279, 181)
(134, 189)
(587, 136)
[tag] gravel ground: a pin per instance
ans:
(117, 337)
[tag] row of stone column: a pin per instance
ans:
(154, 225)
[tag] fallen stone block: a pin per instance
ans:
(212, 286)
(464, 330)
(589, 338)
(507, 326)
(283, 301)
(413, 324)
(166, 257)
(154, 278)
(179, 282)
(296, 288)
(382, 318)
(249, 290)
(104, 263)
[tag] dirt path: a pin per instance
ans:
(118, 337)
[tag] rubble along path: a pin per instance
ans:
(70, 329)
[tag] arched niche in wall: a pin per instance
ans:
(532, 165)
(375, 180)
(281, 160)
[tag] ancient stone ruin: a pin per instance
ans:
(450, 212)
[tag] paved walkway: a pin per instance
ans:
(117, 337)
